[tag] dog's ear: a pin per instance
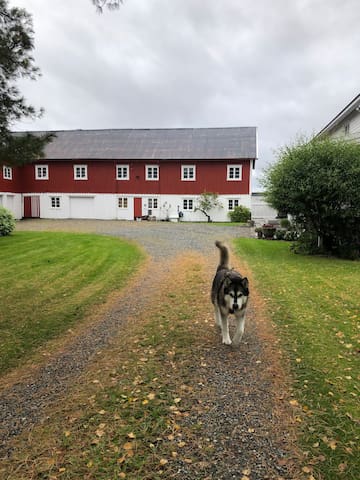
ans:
(245, 285)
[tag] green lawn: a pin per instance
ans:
(49, 282)
(315, 304)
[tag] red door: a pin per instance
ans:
(137, 207)
(32, 207)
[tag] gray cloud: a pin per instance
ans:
(286, 67)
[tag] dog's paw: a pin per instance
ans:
(226, 341)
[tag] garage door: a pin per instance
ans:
(82, 207)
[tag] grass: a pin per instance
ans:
(123, 418)
(50, 281)
(314, 303)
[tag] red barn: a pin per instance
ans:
(131, 173)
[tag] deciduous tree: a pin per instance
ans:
(110, 4)
(206, 202)
(317, 182)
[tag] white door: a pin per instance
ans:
(82, 207)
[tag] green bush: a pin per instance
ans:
(280, 234)
(7, 222)
(240, 214)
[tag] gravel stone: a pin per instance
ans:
(238, 412)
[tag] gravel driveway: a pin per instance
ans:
(160, 239)
(242, 398)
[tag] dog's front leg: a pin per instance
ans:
(225, 330)
(217, 316)
(239, 329)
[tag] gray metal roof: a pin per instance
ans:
(147, 144)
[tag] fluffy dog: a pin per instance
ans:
(229, 295)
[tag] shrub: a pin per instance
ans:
(7, 222)
(280, 234)
(268, 231)
(285, 223)
(240, 214)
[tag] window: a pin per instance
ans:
(233, 202)
(80, 172)
(41, 172)
(188, 172)
(122, 172)
(152, 173)
(122, 202)
(347, 128)
(188, 204)
(55, 202)
(152, 203)
(7, 173)
(234, 172)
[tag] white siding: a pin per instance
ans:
(261, 212)
(354, 127)
(106, 206)
(12, 201)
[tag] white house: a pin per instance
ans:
(345, 124)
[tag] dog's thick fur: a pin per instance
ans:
(229, 295)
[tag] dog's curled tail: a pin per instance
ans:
(224, 255)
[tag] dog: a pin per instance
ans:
(229, 295)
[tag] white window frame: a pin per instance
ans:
(150, 169)
(123, 202)
(81, 167)
(55, 202)
(188, 204)
(188, 173)
(122, 172)
(153, 203)
(232, 176)
(41, 172)
(7, 172)
(233, 203)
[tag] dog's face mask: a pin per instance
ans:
(236, 292)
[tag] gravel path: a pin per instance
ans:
(239, 415)
(160, 239)
(22, 404)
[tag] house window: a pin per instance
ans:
(347, 128)
(55, 202)
(188, 172)
(80, 172)
(122, 202)
(188, 204)
(41, 172)
(152, 203)
(152, 173)
(233, 202)
(7, 173)
(234, 172)
(122, 172)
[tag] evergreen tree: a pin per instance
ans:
(16, 61)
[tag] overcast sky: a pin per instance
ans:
(285, 66)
